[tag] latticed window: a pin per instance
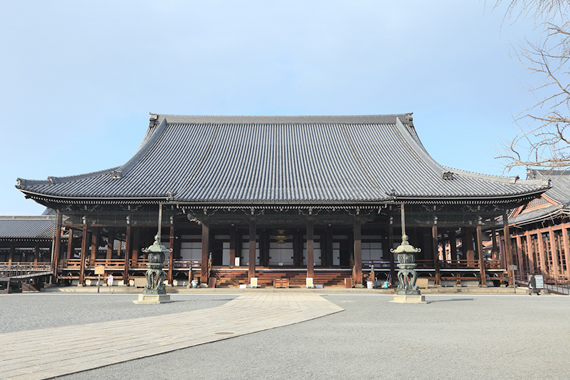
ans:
(559, 241)
(547, 252)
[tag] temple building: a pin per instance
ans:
(539, 230)
(280, 198)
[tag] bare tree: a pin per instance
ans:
(543, 140)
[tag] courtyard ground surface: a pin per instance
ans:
(284, 335)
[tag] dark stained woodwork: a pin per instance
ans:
(36, 253)
(390, 246)
(110, 245)
(467, 243)
(427, 246)
(69, 244)
(297, 249)
(83, 255)
(357, 231)
(494, 249)
(233, 243)
(94, 246)
(553, 253)
(57, 245)
(136, 246)
(435, 250)
(128, 239)
(529, 253)
(453, 246)
(12, 251)
(566, 249)
(205, 250)
(541, 254)
(251, 253)
(171, 257)
(508, 249)
(329, 246)
(310, 247)
(482, 272)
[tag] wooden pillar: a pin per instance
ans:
(233, 243)
(36, 253)
(204, 257)
(297, 249)
(94, 246)
(482, 272)
(494, 249)
(542, 255)
(11, 257)
(310, 247)
(553, 254)
(127, 255)
(467, 242)
(57, 245)
(508, 248)
(520, 267)
(453, 246)
(529, 253)
(110, 245)
(329, 245)
(434, 246)
(136, 246)
(171, 255)
(69, 244)
(390, 247)
(566, 250)
(83, 255)
(252, 233)
(357, 229)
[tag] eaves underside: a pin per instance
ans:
(511, 198)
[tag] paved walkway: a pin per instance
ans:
(46, 353)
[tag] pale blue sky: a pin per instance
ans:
(80, 77)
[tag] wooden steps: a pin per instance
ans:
(297, 278)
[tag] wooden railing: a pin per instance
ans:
(429, 264)
(26, 266)
(120, 263)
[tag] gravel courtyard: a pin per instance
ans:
(453, 336)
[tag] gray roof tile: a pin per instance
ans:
(281, 159)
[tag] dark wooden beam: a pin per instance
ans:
(233, 244)
(57, 245)
(83, 255)
(252, 240)
(171, 257)
(136, 246)
(205, 250)
(453, 245)
(310, 247)
(390, 253)
(435, 249)
(128, 239)
(482, 272)
(110, 245)
(357, 230)
(467, 243)
(69, 243)
(94, 246)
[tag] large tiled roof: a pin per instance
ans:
(281, 159)
(28, 227)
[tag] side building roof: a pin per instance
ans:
(27, 227)
(558, 195)
(281, 160)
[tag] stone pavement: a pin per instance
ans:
(46, 353)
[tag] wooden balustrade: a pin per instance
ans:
(26, 266)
